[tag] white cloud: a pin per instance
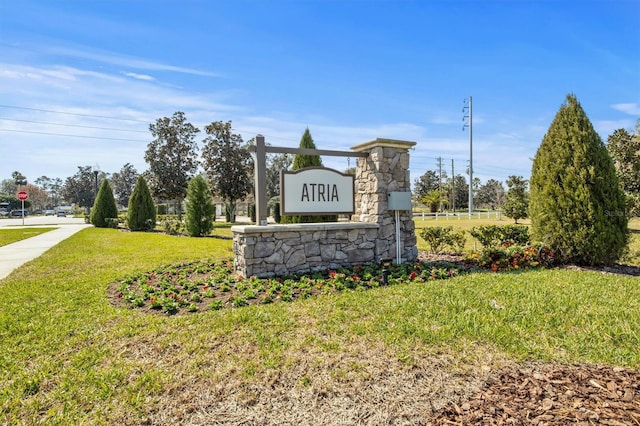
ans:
(606, 127)
(138, 76)
(631, 108)
(126, 61)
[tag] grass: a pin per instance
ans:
(12, 235)
(69, 357)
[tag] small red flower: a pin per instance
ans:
(412, 276)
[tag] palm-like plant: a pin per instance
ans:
(434, 199)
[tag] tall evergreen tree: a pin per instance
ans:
(200, 209)
(104, 207)
(300, 161)
(576, 204)
(141, 214)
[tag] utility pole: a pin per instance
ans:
(467, 119)
(439, 173)
(453, 187)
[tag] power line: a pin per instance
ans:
(72, 136)
(74, 113)
(73, 125)
(108, 118)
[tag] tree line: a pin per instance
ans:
(174, 157)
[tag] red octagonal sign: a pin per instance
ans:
(22, 195)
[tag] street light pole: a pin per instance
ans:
(467, 109)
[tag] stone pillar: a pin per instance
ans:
(385, 170)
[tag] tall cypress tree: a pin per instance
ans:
(300, 161)
(141, 214)
(576, 204)
(104, 206)
(200, 208)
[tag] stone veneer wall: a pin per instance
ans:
(370, 237)
(283, 249)
(385, 170)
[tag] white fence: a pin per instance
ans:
(457, 215)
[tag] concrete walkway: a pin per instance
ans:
(16, 254)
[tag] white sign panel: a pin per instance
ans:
(316, 191)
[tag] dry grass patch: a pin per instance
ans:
(361, 383)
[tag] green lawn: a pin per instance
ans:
(12, 235)
(67, 356)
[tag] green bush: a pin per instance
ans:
(200, 209)
(500, 235)
(515, 257)
(252, 212)
(576, 205)
(440, 237)
(104, 207)
(112, 222)
(172, 226)
(141, 212)
(457, 240)
(276, 212)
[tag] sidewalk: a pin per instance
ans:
(14, 255)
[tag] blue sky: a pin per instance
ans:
(80, 81)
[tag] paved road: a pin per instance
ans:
(14, 255)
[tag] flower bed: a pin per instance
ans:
(513, 257)
(211, 285)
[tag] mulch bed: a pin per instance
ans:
(549, 394)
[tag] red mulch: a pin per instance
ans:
(549, 394)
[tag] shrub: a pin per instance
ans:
(439, 237)
(514, 258)
(141, 213)
(576, 205)
(276, 212)
(112, 222)
(252, 212)
(500, 235)
(200, 209)
(104, 207)
(172, 226)
(457, 240)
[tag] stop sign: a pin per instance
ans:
(22, 195)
